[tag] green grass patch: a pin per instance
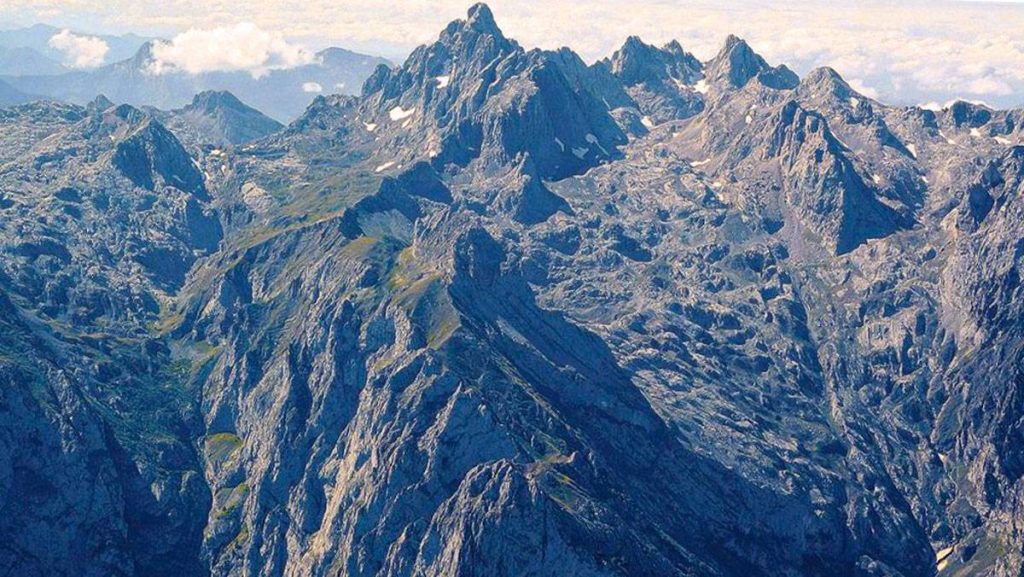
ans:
(221, 448)
(231, 499)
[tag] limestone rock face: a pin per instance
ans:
(506, 313)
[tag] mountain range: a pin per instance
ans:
(30, 50)
(508, 313)
(31, 66)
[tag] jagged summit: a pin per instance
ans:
(479, 27)
(481, 19)
(638, 62)
(662, 82)
(737, 64)
(473, 94)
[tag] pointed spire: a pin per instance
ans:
(478, 28)
(481, 19)
(99, 104)
(737, 64)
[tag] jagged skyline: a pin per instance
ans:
(911, 53)
(507, 313)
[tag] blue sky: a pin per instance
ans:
(909, 52)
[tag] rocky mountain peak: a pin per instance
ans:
(465, 50)
(737, 63)
(144, 150)
(638, 62)
(218, 118)
(825, 84)
(827, 77)
(143, 58)
(481, 19)
(479, 26)
(968, 114)
(212, 100)
(660, 81)
(474, 93)
(99, 104)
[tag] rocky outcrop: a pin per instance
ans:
(475, 94)
(737, 64)
(662, 81)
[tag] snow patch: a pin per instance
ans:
(1003, 141)
(948, 139)
(975, 133)
(443, 81)
(701, 86)
(398, 113)
(560, 144)
(647, 122)
(700, 162)
(877, 179)
(748, 119)
(580, 152)
(370, 126)
(854, 102)
(384, 166)
(912, 149)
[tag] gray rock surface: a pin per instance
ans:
(774, 329)
(217, 119)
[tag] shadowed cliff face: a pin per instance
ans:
(510, 314)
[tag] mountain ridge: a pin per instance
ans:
(282, 94)
(508, 313)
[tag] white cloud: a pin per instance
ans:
(79, 51)
(312, 87)
(859, 85)
(242, 47)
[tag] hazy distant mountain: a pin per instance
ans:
(282, 94)
(22, 60)
(10, 95)
(38, 37)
